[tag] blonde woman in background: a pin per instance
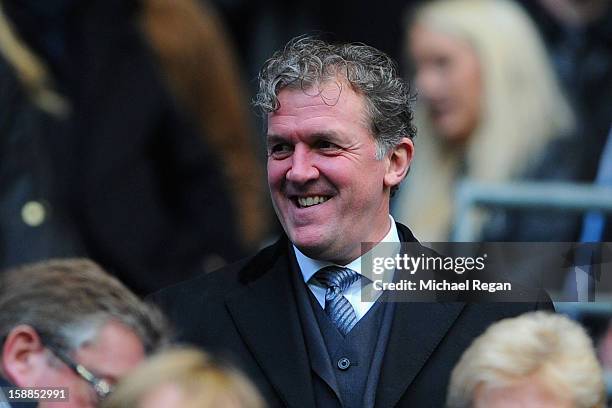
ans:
(184, 378)
(488, 105)
(537, 359)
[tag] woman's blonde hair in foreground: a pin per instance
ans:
(551, 346)
(202, 381)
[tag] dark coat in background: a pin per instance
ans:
(123, 178)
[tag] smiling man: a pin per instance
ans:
(325, 173)
(339, 142)
(67, 324)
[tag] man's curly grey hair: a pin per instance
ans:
(306, 62)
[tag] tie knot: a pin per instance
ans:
(336, 278)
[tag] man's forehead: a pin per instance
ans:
(334, 99)
(328, 91)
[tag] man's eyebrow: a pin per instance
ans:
(328, 134)
(271, 139)
(274, 137)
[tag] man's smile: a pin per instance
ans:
(309, 201)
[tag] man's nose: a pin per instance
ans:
(302, 167)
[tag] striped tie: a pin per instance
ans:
(337, 307)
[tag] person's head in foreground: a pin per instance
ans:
(184, 378)
(537, 359)
(338, 140)
(67, 323)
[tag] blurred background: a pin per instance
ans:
(126, 132)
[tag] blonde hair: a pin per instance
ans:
(551, 346)
(522, 110)
(30, 70)
(203, 382)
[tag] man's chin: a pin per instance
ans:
(313, 247)
(311, 250)
(321, 250)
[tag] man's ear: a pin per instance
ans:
(22, 355)
(399, 160)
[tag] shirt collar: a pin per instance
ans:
(310, 266)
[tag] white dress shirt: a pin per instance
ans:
(310, 266)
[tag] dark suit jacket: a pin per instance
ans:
(247, 311)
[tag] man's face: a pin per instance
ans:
(115, 351)
(327, 185)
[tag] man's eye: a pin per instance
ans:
(280, 149)
(325, 145)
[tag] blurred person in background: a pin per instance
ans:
(184, 378)
(67, 323)
(535, 360)
(489, 108)
(200, 67)
(97, 157)
(578, 34)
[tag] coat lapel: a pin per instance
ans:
(417, 329)
(265, 313)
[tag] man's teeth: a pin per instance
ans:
(310, 201)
